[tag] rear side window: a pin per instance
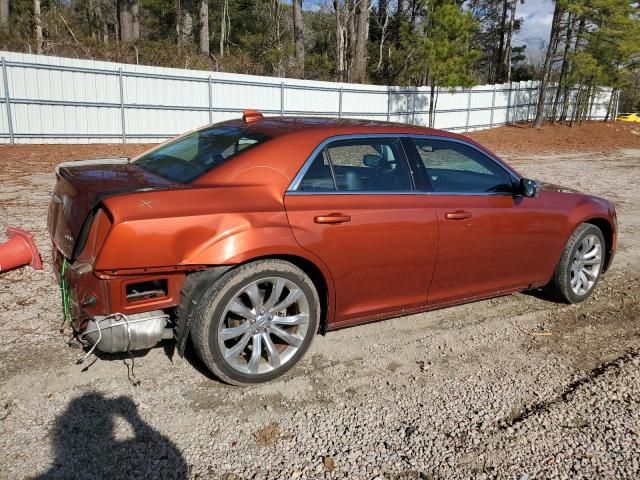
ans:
(196, 153)
(452, 167)
(319, 177)
(362, 165)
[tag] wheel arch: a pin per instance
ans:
(607, 230)
(319, 281)
(194, 286)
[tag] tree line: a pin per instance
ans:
(432, 43)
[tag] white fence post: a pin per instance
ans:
(517, 103)
(281, 99)
(530, 89)
(340, 102)
(7, 100)
(493, 105)
(508, 112)
(466, 128)
(210, 100)
(124, 133)
(413, 106)
(388, 104)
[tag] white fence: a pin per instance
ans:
(64, 100)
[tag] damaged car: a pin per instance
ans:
(247, 238)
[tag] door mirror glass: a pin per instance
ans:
(528, 187)
(373, 161)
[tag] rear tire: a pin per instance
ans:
(580, 266)
(254, 323)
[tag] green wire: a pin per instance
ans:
(65, 291)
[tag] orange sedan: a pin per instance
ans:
(248, 237)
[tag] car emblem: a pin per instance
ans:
(68, 237)
(145, 203)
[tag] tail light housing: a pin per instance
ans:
(97, 235)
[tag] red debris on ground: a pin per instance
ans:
(590, 136)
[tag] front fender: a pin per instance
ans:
(567, 211)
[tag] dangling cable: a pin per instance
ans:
(81, 360)
(130, 373)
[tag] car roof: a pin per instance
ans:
(277, 126)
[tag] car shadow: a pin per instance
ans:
(541, 294)
(85, 443)
(191, 356)
(128, 358)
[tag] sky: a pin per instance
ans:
(537, 15)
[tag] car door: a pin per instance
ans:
(490, 239)
(354, 205)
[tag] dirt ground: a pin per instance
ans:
(514, 387)
(590, 136)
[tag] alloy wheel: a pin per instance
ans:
(586, 265)
(264, 325)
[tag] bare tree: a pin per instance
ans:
(500, 51)
(37, 25)
(351, 6)
(128, 20)
(546, 69)
(383, 22)
(184, 22)
(204, 26)
(4, 14)
(100, 23)
(341, 14)
(298, 35)
(225, 27)
(560, 89)
(506, 61)
(275, 17)
(359, 58)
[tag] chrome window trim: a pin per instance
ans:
(404, 192)
(357, 192)
(293, 186)
(471, 194)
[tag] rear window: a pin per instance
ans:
(194, 154)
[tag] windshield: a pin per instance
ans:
(194, 154)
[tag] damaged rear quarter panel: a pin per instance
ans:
(195, 226)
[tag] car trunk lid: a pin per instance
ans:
(81, 185)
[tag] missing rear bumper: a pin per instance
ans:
(118, 332)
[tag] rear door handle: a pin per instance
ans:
(457, 215)
(332, 218)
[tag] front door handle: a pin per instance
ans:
(457, 215)
(332, 218)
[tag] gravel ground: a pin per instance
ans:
(514, 387)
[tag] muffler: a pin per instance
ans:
(123, 333)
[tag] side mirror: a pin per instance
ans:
(528, 187)
(372, 160)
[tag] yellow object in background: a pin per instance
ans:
(629, 117)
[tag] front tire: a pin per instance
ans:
(255, 322)
(580, 266)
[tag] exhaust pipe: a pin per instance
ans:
(18, 251)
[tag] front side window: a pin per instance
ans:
(196, 153)
(362, 165)
(453, 167)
